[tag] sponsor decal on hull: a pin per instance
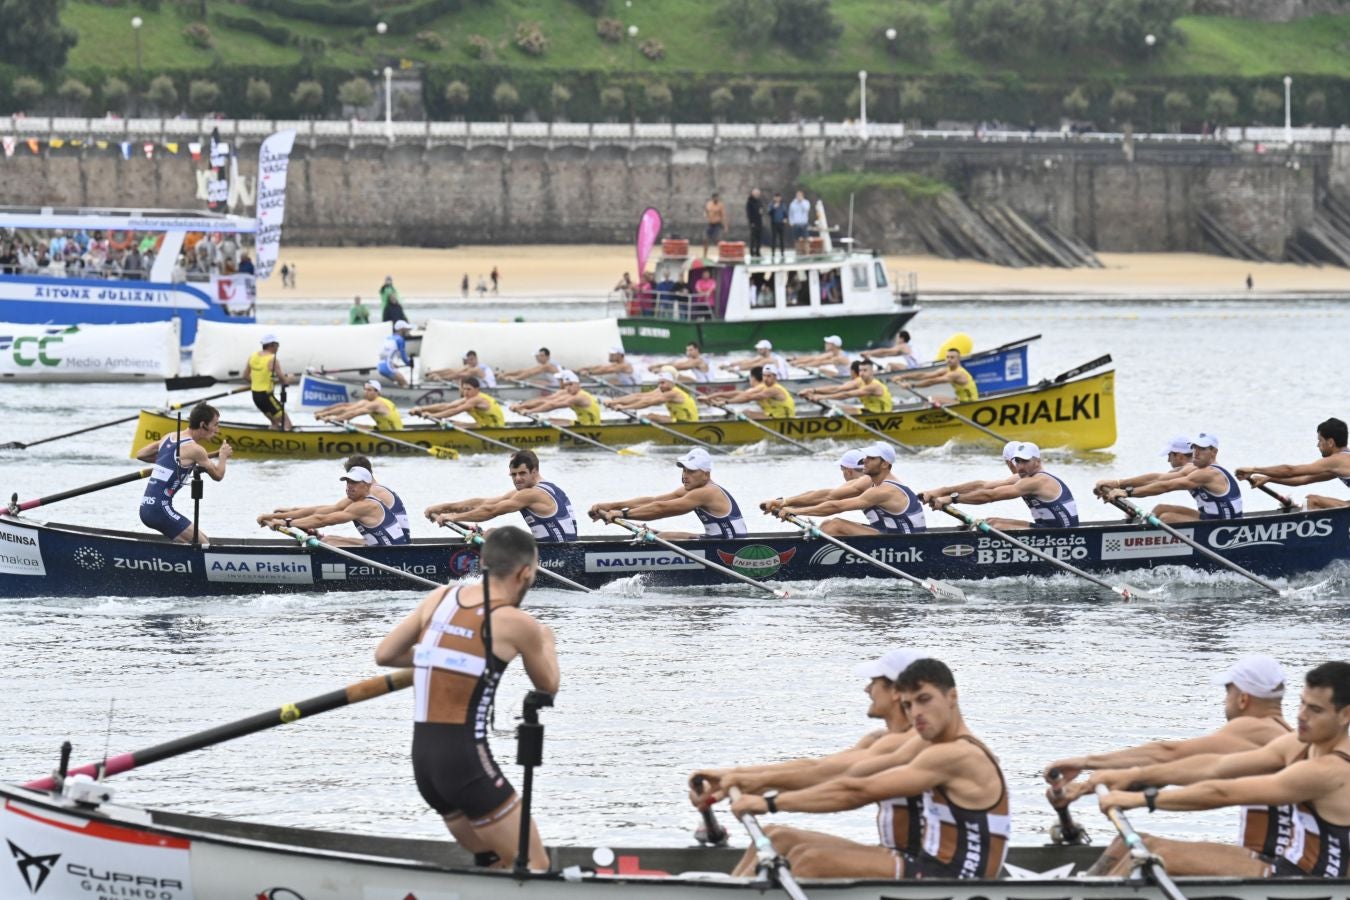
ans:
(641, 561)
(257, 569)
(994, 551)
(958, 550)
(1134, 545)
(756, 560)
(1267, 534)
(20, 552)
(835, 556)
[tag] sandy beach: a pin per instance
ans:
(592, 270)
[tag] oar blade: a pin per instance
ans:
(1128, 592)
(445, 452)
(13, 445)
(943, 591)
(629, 451)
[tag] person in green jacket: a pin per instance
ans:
(358, 313)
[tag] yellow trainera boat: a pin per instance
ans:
(1078, 414)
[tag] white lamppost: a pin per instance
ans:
(862, 103)
(380, 29)
(136, 23)
(1288, 119)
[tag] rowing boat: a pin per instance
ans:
(1078, 414)
(48, 559)
(61, 850)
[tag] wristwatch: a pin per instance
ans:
(955, 496)
(771, 799)
(1151, 798)
(1129, 491)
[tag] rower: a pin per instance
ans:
(177, 457)
(545, 371)
(264, 374)
(459, 664)
(965, 798)
(774, 400)
(964, 388)
(375, 519)
(850, 467)
(693, 368)
(377, 490)
(625, 373)
(1308, 769)
(483, 408)
(1253, 692)
(471, 368)
(1049, 498)
(679, 403)
(764, 356)
(394, 359)
(874, 396)
(890, 507)
(900, 348)
(966, 487)
(1216, 492)
(1178, 453)
(899, 819)
(697, 494)
(379, 408)
(1334, 464)
(832, 361)
(545, 506)
(585, 409)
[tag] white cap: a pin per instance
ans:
(1178, 444)
(1009, 449)
(881, 451)
(835, 339)
(616, 350)
(763, 344)
(567, 375)
(1026, 450)
(269, 338)
(401, 325)
(697, 459)
(888, 665)
(358, 473)
(852, 459)
(667, 373)
(1206, 439)
(373, 384)
(1259, 675)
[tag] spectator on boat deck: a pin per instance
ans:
(778, 213)
(799, 216)
(180, 270)
(359, 313)
(133, 263)
(754, 218)
(58, 243)
(246, 264)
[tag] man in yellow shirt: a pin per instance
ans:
(774, 400)
(955, 374)
(874, 396)
(379, 408)
(264, 374)
(582, 403)
(682, 407)
(485, 411)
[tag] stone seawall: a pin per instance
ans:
(1114, 197)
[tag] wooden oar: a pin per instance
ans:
(1068, 831)
(19, 445)
(473, 537)
(754, 423)
(1124, 590)
(450, 425)
(1151, 865)
(306, 539)
(957, 416)
(1286, 503)
(643, 420)
(621, 451)
(838, 411)
(646, 534)
(16, 507)
(1135, 512)
(769, 863)
(368, 689)
(438, 452)
(938, 589)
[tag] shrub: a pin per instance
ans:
(807, 101)
(658, 96)
(752, 19)
(560, 95)
(530, 39)
(26, 91)
(1267, 103)
(431, 40)
(505, 97)
(854, 101)
(1315, 104)
(203, 96)
(612, 99)
(912, 98)
(356, 92)
(162, 92)
(1076, 103)
(198, 35)
(1221, 105)
(115, 93)
(653, 49)
(480, 47)
(75, 93)
(913, 33)
(1123, 102)
(1177, 106)
(721, 100)
(308, 96)
(807, 27)
(762, 101)
(258, 95)
(610, 30)
(457, 95)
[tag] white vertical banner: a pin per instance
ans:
(273, 159)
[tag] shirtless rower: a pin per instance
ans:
(1215, 489)
(624, 372)
(774, 400)
(874, 396)
(373, 518)
(377, 490)
(1046, 495)
(1253, 692)
(471, 368)
(1309, 770)
(545, 506)
(1178, 453)
(1334, 464)
(585, 408)
(379, 408)
(177, 457)
(680, 404)
(850, 467)
(545, 371)
(458, 667)
(964, 388)
(890, 507)
(698, 494)
(764, 356)
(483, 408)
(965, 810)
(900, 347)
(692, 368)
(833, 361)
(899, 819)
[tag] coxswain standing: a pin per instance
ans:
(376, 520)
(963, 385)
(394, 361)
(458, 665)
(176, 457)
(484, 409)
(697, 494)
(680, 405)
(381, 409)
(1334, 465)
(1216, 491)
(585, 408)
(545, 506)
(775, 402)
(264, 374)
(1046, 495)
(890, 507)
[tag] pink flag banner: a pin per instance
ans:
(648, 233)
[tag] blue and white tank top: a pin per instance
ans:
(561, 526)
(168, 477)
(907, 522)
(385, 534)
(728, 526)
(1227, 505)
(1061, 512)
(400, 511)
(1345, 479)
(394, 349)
(489, 378)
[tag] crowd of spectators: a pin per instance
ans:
(117, 255)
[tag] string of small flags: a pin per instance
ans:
(128, 149)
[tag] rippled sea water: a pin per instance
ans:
(659, 682)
